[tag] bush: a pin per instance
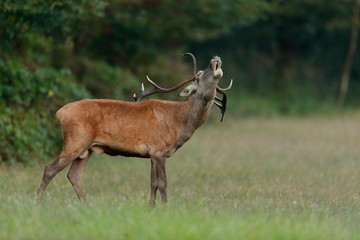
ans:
(29, 100)
(105, 81)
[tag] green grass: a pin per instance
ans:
(278, 178)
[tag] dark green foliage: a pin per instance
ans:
(285, 57)
(54, 52)
(28, 103)
(103, 80)
(291, 60)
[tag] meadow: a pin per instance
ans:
(245, 178)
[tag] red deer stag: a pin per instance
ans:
(152, 129)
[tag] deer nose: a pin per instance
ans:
(216, 58)
(216, 63)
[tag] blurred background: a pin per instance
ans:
(295, 57)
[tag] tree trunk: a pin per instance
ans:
(344, 82)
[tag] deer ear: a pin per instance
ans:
(192, 88)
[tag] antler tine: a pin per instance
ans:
(223, 100)
(158, 89)
(194, 60)
(226, 89)
(217, 98)
(221, 105)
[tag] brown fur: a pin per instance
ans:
(130, 128)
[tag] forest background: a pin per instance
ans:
(293, 57)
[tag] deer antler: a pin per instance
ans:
(158, 89)
(222, 101)
(194, 60)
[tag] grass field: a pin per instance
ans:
(278, 178)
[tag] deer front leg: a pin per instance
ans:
(161, 178)
(153, 184)
(158, 179)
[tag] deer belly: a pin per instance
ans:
(97, 149)
(123, 150)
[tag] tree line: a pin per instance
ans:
(286, 57)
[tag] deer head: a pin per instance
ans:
(203, 82)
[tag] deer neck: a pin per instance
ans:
(199, 106)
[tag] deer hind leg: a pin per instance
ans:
(51, 170)
(49, 173)
(74, 174)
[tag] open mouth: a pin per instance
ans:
(216, 63)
